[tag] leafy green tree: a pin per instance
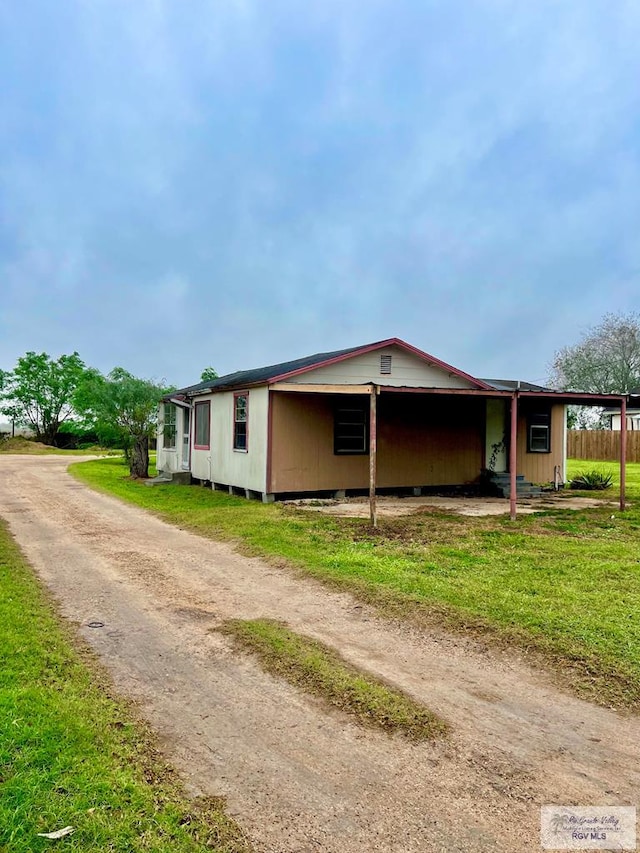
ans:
(209, 374)
(605, 361)
(38, 392)
(126, 406)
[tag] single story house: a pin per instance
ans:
(384, 415)
(633, 418)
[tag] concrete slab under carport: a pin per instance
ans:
(392, 506)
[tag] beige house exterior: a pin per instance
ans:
(384, 416)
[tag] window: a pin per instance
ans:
(539, 432)
(169, 428)
(203, 411)
(351, 429)
(240, 421)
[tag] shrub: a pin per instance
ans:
(593, 480)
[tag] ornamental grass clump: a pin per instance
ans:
(593, 480)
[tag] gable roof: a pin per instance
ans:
(285, 370)
(260, 375)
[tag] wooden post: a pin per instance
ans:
(513, 458)
(623, 453)
(373, 446)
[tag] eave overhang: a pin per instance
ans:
(562, 397)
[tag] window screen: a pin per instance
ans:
(351, 429)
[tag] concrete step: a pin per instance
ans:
(158, 481)
(182, 478)
(501, 481)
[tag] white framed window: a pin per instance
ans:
(241, 421)
(169, 427)
(539, 432)
(202, 420)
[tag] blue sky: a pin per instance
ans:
(240, 183)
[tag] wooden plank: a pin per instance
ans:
(296, 388)
(623, 454)
(602, 445)
(513, 458)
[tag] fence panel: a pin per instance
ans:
(601, 444)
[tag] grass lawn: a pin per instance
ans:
(320, 670)
(563, 585)
(72, 755)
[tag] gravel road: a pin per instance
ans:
(297, 777)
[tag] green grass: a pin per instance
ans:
(564, 586)
(603, 471)
(318, 669)
(72, 755)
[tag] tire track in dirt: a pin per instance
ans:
(298, 777)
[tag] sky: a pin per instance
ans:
(239, 183)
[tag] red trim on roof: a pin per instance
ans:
(424, 356)
(557, 396)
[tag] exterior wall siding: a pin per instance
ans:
(538, 467)
(421, 441)
(248, 469)
(407, 370)
(496, 434)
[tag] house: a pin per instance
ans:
(633, 418)
(380, 416)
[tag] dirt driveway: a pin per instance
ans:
(297, 777)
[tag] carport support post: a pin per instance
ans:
(623, 453)
(373, 455)
(513, 458)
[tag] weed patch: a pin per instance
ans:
(317, 669)
(71, 754)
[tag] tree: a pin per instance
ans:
(209, 374)
(126, 405)
(38, 392)
(605, 361)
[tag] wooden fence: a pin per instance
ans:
(601, 444)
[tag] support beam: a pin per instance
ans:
(513, 458)
(318, 388)
(623, 454)
(373, 455)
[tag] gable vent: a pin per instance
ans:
(385, 364)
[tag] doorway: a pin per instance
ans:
(186, 444)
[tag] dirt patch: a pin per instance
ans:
(393, 507)
(19, 444)
(298, 777)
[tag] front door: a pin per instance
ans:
(496, 436)
(185, 439)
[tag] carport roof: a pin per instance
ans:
(515, 385)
